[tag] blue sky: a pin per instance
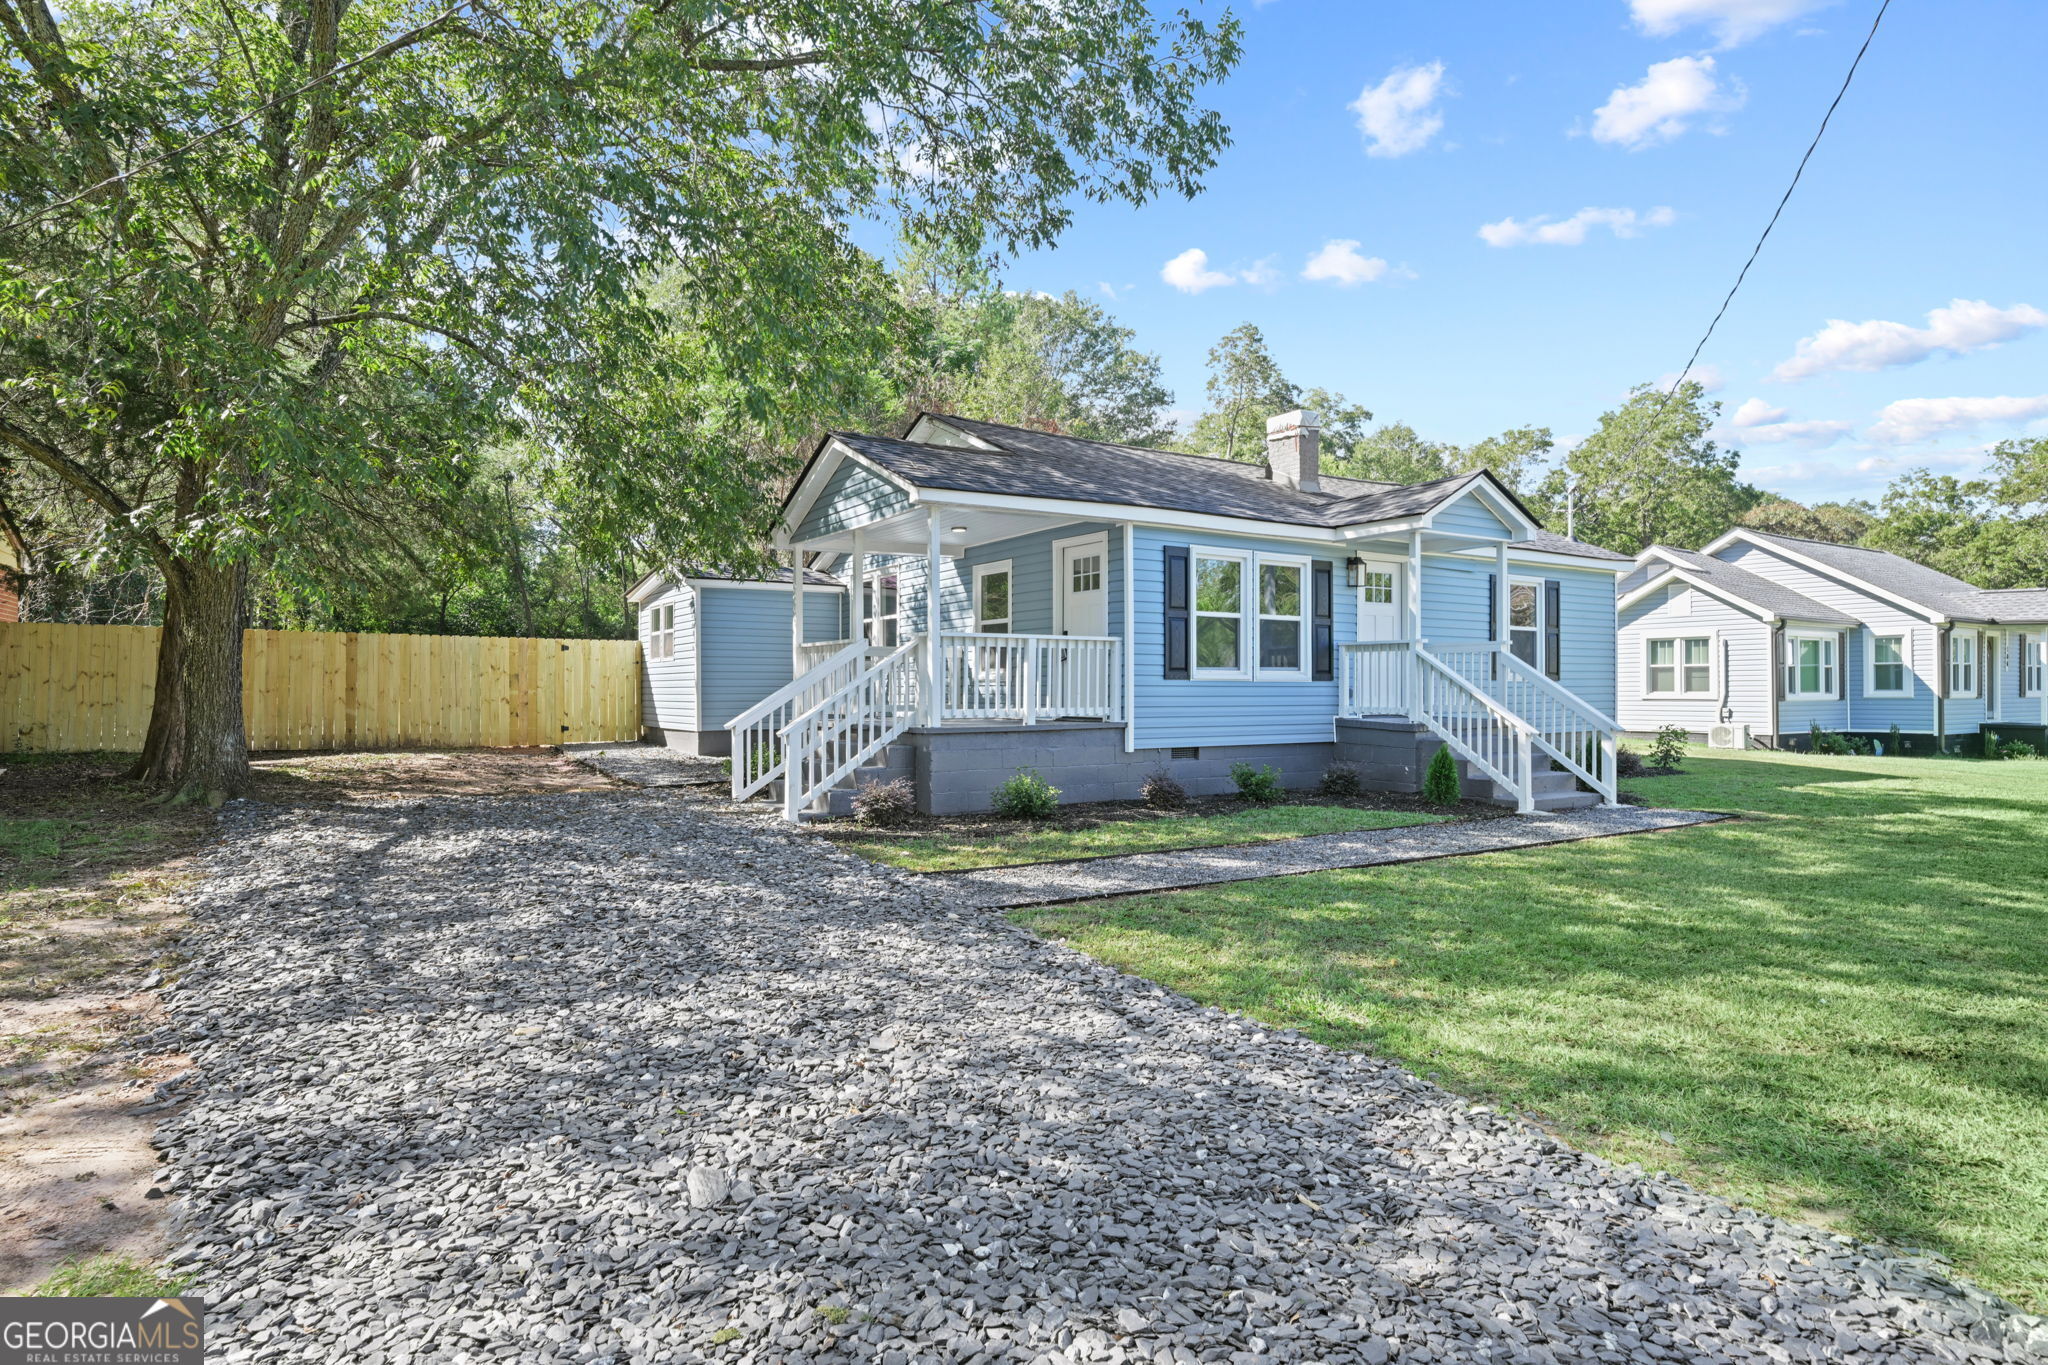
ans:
(1405, 128)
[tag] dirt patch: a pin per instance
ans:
(90, 868)
(1095, 814)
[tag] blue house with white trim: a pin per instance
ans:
(1758, 637)
(1096, 612)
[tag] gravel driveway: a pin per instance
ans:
(618, 1077)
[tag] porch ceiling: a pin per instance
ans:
(960, 529)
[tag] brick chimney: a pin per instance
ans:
(1293, 444)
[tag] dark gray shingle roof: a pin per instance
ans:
(1740, 584)
(1930, 588)
(1560, 545)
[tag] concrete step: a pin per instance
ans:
(1571, 800)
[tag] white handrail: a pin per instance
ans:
(757, 752)
(1578, 736)
(998, 675)
(1486, 734)
(849, 726)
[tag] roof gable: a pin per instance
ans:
(1896, 579)
(1730, 583)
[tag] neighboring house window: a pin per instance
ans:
(1280, 615)
(1887, 666)
(1810, 671)
(1962, 665)
(1681, 667)
(992, 597)
(1219, 614)
(2034, 665)
(1377, 588)
(878, 609)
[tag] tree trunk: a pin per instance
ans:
(197, 747)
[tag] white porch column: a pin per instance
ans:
(1501, 594)
(857, 576)
(1414, 577)
(796, 612)
(934, 620)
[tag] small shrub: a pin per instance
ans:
(1895, 742)
(1341, 779)
(885, 803)
(1627, 762)
(1260, 786)
(2012, 748)
(1163, 791)
(1440, 783)
(725, 766)
(1822, 742)
(1025, 796)
(1667, 747)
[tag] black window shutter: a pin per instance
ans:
(1324, 652)
(2022, 643)
(1493, 606)
(1941, 666)
(1177, 597)
(1778, 665)
(1553, 627)
(1841, 665)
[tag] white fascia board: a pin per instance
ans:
(754, 585)
(1142, 516)
(1828, 570)
(822, 469)
(637, 593)
(1615, 567)
(934, 419)
(1699, 585)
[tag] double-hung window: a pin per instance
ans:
(878, 606)
(2034, 665)
(1250, 615)
(1282, 631)
(1887, 666)
(1219, 614)
(1681, 667)
(1962, 664)
(1810, 665)
(992, 597)
(661, 631)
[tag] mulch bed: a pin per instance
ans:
(1093, 814)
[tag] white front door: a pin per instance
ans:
(1080, 574)
(1380, 610)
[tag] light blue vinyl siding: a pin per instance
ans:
(1031, 585)
(1913, 713)
(668, 687)
(1742, 650)
(854, 496)
(1466, 515)
(1180, 714)
(745, 644)
(1454, 604)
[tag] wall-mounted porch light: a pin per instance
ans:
(1354, 572)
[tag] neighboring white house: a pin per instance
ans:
(1758, 638)
(713, 645)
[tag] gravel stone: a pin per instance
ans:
(468, 1070)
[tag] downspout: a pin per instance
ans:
(1941, 688)
(1777, 675)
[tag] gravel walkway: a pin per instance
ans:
(650, 765)
(1050, 883)
(618, 1076)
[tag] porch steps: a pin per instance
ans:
(897, 760)
(1555, 789)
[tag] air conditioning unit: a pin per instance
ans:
(1728, 737)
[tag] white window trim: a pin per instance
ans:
(981, 571)
(1974, 663)
(1541, 627)
(2034, 665)
(1831, 676)
(1246, 589)
(1305, 618)
(1713, 687)
(1870, 639)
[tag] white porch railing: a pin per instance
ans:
(1028, 678)
(1493, 709)
(814, 652)
(850, 725)
(1579, 737)
(758, 751)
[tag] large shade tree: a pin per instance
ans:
(262, 264)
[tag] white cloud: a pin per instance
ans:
(1189, 272)
(1671, 96)
(1733, 21)
(1541, 231)
(1755, 412)
(1708, 377)
(1262, 273)
(1965, 325)
(1340, 263)
(1398, 116)
(1952, 459)
(1916, 419)
(1757, 420)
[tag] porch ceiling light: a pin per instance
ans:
(1354, 571)
(957, 530)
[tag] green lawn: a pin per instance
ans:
(952, 852)
(1836, 1008)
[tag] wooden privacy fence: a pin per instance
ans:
(71, 688)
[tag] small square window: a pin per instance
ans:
(1086, 571)
(1377, 586)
